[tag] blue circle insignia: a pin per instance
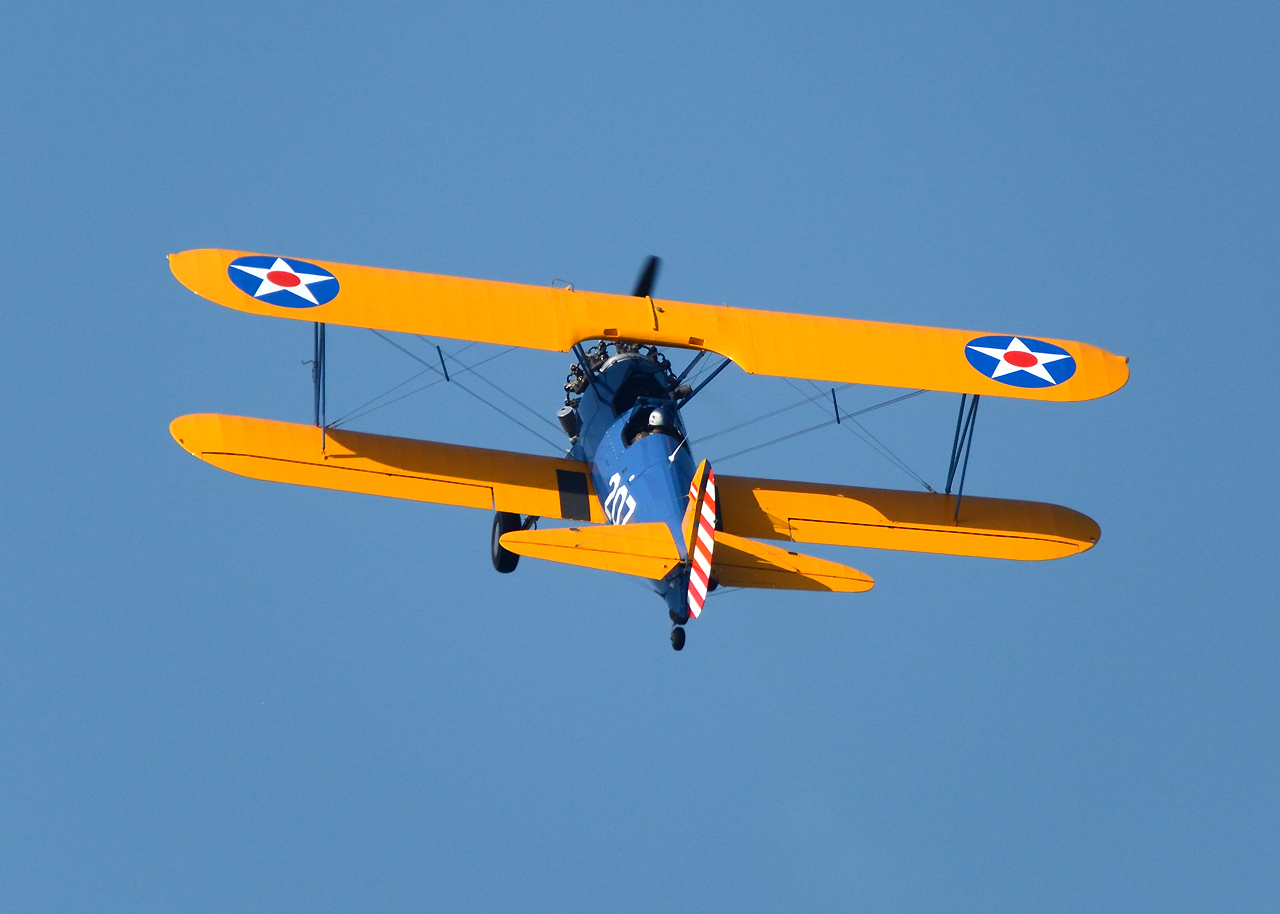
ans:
(1020, 361)
(283, 281)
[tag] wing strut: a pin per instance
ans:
(963, 441)
(318, 379)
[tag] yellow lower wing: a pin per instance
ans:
(740, 562)
(555, 487)
(646, 550)
(448, 474)
(805, 512)
(538, 317)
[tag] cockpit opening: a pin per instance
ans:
(652, 417)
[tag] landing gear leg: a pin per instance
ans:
(677, 627)
(504, 560)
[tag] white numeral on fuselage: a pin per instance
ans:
(619, 505)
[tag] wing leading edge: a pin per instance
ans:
(760, 342)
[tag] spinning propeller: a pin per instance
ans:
(644, 285)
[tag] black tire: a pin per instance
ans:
(677, 638)
(504, 561)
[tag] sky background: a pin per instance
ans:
(219, 694)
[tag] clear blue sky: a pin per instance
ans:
(223, 695)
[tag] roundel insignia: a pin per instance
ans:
(1020, 361)
(283, 281)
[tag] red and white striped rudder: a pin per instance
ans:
(703, 539)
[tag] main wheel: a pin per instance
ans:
(677, 638)
(504, 560)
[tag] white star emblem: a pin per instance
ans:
(282, 277)
(1017, 357)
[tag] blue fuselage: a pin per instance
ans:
(641, 468)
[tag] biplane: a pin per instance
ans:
(636, 499)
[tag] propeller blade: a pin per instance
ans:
(644, 285)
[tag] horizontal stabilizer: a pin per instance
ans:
(759, 342)
(740, 562)
(646, 550)
(808, 512)
(447, 474)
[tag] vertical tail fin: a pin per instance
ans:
(696, 487)
(699, 528)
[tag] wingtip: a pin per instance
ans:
(182, 429)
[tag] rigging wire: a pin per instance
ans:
(776, 412)
(696, 369)
(493, 406)
(875, 443)
(360, 411)
(851, 416)
(725, 591)
(756, 447)
(520, 403)
(890, 455)
(688, 368)
(353, 413)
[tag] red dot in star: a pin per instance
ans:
(1014, 357)
(289, 280)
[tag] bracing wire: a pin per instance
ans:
(776, 412)
(700, 367)
(360, 411)
(756, 447)
(471, 368)
(726, 591)
(814, 428)
(874, 443)
(880, 447)
(356, 413)
(468, 390)
(865, 436)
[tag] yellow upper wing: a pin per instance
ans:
(806, 512)
(448, 474)
(537, 317)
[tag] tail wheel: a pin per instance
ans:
(504, 560)
(677, 638)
